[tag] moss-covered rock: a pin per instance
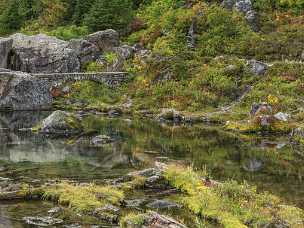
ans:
(61, 123)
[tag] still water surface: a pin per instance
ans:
(270, 163)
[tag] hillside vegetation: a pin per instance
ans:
(196, 52)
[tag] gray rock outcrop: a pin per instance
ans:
(85, 50)
(22, 91)
(245, 7)
(257, 67)
(105, 40)
(5, 48)
(42, 54)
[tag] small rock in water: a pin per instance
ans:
(72, 226)
(134, 203)
(108, 208)
(55, 210)
(42, 221)
(108, 213)
(61, 123)
(101, 139)
(163, 204)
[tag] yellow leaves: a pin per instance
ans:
(273, 100)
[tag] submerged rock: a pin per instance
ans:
(101, 140)
(5, 48)
(42, 221)
(61, 123)
(22, 91)
(163, 204)
(42, 54)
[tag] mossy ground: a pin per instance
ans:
(231, 204)
(83, 198)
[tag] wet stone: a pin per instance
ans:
(101, 140)
(163, 204)
(135, 203)
(55, 210)
(108, 213)
(72, 226)
(42, 221)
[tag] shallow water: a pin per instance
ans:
(271, 163)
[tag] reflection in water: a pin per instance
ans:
(271, 164)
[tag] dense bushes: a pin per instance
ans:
(105, 14)
(35, 16)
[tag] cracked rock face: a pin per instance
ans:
(86, 51)
(22, 91)
(42, 54)
(105, 40)
(5, 48)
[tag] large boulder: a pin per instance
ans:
(42, 54)
(86, 51)
(22, 91)
(61, 123)
(105, 40)
(5, 48)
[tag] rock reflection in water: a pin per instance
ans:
(259, 161)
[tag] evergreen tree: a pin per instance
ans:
(10, 19)
(105, 14)
(81, 8)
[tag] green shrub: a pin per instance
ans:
(104, 14)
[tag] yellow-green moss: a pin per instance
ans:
(132, 218)
(229, 203)
(83, 198)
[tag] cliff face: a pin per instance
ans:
(5, 48)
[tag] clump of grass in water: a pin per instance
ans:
(230, 204)
(83, 198)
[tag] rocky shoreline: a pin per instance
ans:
(110, 202)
